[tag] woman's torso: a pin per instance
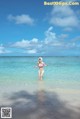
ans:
(41, 65)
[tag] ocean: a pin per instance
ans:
(60, 72)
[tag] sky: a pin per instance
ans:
(29, 28)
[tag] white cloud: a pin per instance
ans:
(32, 51)
(35, 40)
(68, 29)
(58, 42)
(3, 50)
(21, 44)
(50, 36)
(50, 29)
(51, 43)
(63, 17)
(63, 36)
(21, 19)
(51, 39)
(26, 43)
(76, 39)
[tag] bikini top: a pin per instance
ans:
(41, 65)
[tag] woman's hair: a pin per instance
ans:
(40, 58)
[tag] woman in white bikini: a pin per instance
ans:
(41, 64)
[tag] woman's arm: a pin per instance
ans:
(44, 64)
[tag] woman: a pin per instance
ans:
(41, 65)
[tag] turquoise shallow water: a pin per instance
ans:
(61, 72)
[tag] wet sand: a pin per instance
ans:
(43, 103)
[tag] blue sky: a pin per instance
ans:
(28, 28)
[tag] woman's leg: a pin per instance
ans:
(41, 72)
